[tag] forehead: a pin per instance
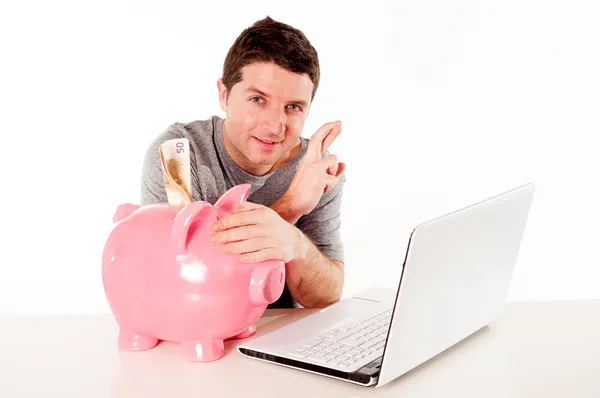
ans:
(276, 81)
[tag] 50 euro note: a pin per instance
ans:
(175, 162)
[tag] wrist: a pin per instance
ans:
(306, 251)
(284, 207)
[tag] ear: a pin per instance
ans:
(222, 94)
(195, 211)
(123, 211)
(233, 198)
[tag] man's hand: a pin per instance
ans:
(315, 176)
(258, 233)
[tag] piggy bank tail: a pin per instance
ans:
(123, 211)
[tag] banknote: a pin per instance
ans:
(175, 161)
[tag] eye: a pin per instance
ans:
(297, 108)
(256, 99)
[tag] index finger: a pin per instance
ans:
(237, 220)
(337, 130)
(322, 139)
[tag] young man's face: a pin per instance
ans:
(265, 114)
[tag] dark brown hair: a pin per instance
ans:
(270, 41)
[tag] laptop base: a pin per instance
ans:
(365, 376)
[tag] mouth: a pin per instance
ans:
(267, 143)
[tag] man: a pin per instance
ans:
(270, 77)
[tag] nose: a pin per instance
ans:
(274, 121)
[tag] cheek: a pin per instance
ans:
(244, 119)
(294, 126)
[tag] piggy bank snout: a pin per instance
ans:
(267, 282)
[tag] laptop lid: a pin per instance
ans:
(455, 279)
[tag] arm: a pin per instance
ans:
(302, 228)
(316, 277)
(314, 280)
(312, 251)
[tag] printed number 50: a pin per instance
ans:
(179, 146)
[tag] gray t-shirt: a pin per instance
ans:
(213, 172)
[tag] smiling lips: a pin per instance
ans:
(266, 142)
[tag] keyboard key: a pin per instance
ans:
(318, 358)
(296, 355)
(341, 336)
(369, 344)
(352, 342)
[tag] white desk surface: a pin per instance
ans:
(537, 349)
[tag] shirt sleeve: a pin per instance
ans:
(323, 225)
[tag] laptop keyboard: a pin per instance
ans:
(347, 344)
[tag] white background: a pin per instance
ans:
(443, 103)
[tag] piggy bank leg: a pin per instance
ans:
(246, 333)
(135, 342)
(203, 351)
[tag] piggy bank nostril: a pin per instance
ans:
(281, 279)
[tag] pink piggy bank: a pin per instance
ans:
(166, 280)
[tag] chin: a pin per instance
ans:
(264, 161)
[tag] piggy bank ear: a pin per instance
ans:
(123, 211)
(196, 211)
(232, 198)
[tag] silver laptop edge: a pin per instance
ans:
(455, 279)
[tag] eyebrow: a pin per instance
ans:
(260, 92)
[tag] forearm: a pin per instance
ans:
(314, 280)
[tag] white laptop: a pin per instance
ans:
(455, 280)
